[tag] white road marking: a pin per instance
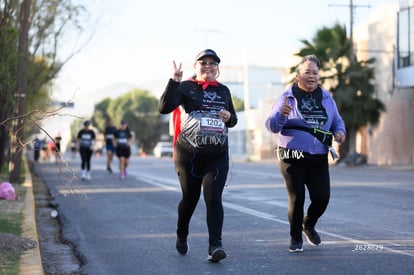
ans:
(172, 185)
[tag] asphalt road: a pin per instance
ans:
(128, 227)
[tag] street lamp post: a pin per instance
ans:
(246, 95)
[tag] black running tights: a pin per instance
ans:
(86, 155)
(312, 172)
(195, 171)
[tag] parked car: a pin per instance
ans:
(163, 149)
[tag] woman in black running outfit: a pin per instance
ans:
(86, 140)
(202, 111)
(122, 141)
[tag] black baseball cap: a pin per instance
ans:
(87, 123)
(208, 53)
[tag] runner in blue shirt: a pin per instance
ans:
(109, 142)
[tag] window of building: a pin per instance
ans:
(411, 34)
(406, 38)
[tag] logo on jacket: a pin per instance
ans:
(309, 104)
(211, 95)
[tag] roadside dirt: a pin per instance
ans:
(13, 243)
(57, 255)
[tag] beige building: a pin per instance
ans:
(386, 35)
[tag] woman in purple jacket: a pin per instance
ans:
(307, 119)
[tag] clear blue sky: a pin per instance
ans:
(135, 43)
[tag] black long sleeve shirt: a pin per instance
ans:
(201, 127)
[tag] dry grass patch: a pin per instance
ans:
(12, 245)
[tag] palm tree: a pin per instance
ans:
(350, 81)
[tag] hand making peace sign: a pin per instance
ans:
(178, 73)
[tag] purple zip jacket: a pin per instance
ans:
(299, 139)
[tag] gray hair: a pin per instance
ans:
(311, 58)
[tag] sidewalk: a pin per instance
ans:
(30, 261)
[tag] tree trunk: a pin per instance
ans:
(4, 144)
(352, 157)
(18, 122)
(352, 141)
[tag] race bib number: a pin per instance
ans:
(212, 124)
(122, 141)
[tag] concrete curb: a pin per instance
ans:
(30, 262)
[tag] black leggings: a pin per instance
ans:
(86, 155)
(311, 171)
(195, 170)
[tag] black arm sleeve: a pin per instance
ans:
(233, 118)
(169, 100)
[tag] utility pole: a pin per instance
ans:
(352, 132)
(351, 31)
(18, 123)
(207, 33)
(351, 7)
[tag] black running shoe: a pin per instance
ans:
(312, 236)
(109, 169)
(295, 246)
(216, 254)
(181, 245)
